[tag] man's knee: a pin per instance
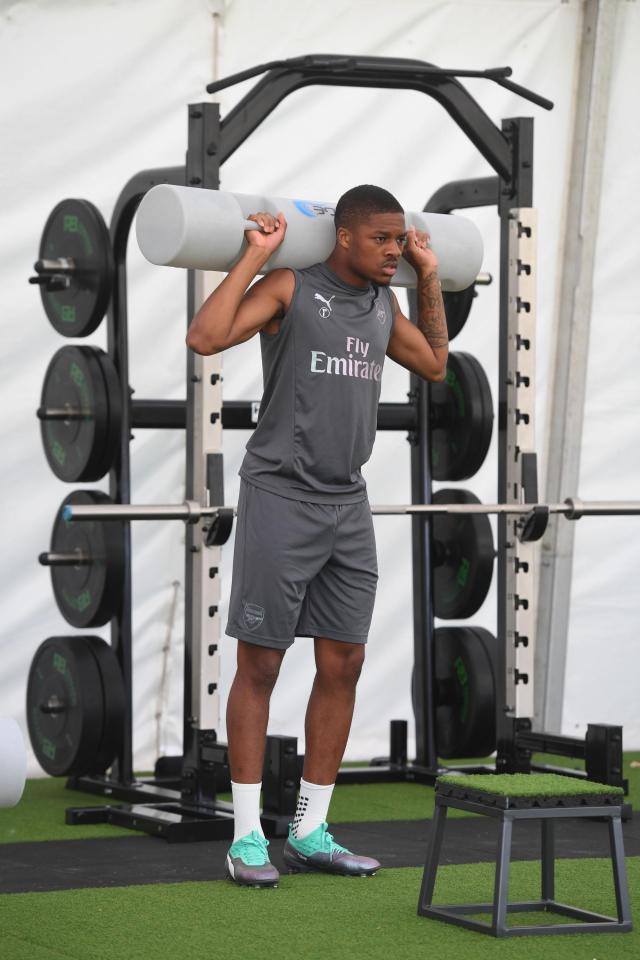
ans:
(258, 665)
(340, 662)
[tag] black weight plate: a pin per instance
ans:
(462, 419)
(466, 683)
(221, 527)
(76, 229)
(114, 704)
(465, 544)
(65, 712)
(74, 448)
(102, 411)
(457, 306)
(114, 403)
(88, 595)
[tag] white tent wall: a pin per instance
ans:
(97, 92)
(605, 601)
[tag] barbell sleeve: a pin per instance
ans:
(189, 511)
(575, 508)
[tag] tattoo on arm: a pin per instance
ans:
(432, 321)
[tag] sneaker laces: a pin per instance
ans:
(329, 845)
(252, 849)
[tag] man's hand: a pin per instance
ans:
(418, 252)
(425, 355)
(271, 233)
(232, 313)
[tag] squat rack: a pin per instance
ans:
(189, 808)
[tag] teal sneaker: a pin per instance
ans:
(248, 862)
(319, 851)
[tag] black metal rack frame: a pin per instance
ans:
(188, 809)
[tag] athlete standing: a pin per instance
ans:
(305, 555)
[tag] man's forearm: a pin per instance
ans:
(432, 321)
(213, 321)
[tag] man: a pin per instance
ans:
(305, 556)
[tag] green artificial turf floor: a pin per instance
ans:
(308, 916)
(40, 813)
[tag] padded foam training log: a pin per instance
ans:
(13, 762)
(204, 230)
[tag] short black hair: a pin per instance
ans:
(362, 202)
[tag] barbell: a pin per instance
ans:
(534, 516)
(204, 230)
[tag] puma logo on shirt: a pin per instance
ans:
(326, 310)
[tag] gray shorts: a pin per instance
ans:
(301, 569)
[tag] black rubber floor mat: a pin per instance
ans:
(126, 861)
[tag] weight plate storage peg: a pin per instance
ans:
(75, 268)
(80, 413)
(461, 419)
(465, 659)
(463, 556)
(87, 563)
(75, 705)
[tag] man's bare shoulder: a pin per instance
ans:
(277, 287)
(275, 292)
(278, 283)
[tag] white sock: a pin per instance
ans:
(312, 808)
(246, 809)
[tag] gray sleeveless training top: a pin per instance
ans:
(322, 373)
